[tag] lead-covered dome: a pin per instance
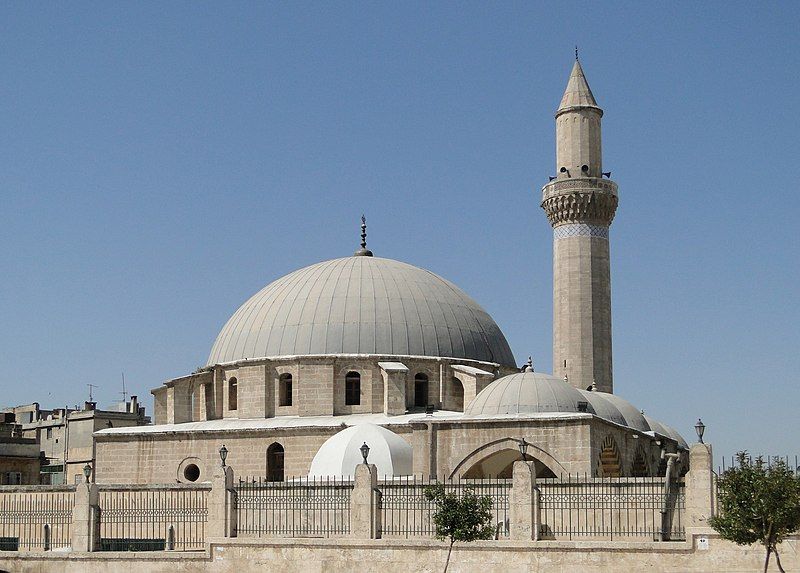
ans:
(361, 305)
(526, 393)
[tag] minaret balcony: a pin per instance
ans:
(580, 200)
(578, 185)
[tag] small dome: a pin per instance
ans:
(633, 417)
(361, 305)
(667, 431)
(340, 454)
(526, 393)
(603, 408)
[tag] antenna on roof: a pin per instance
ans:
(90, 391)
(124, 393)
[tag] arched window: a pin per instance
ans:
(457, 392)
(352, 389)
(233, 397)
(420, 390)
(285, 390)
(275, 462)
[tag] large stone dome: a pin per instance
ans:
(361, 305)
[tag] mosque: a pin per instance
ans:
(367, 349)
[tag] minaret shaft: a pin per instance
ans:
(580, 205)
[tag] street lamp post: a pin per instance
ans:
(223, 454)
(523, 448)
(364, 452)
(700, 428)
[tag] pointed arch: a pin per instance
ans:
(608, 463)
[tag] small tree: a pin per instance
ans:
(758, 502)
(466, 518)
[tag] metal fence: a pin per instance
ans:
(611, 508)
(36, 518)
(792, 462)
(405, 512)
(298, 507)
(153, 518)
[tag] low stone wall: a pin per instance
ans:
(345, 555)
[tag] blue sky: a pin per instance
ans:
(162, 162)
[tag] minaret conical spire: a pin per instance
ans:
(578, 92)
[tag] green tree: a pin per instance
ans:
(460, 518)
(758, 502)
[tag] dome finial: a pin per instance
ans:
(528, 366)
(594, 385)
(363, 251)
(576, 52)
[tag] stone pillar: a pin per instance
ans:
(700, 486)
(394, 376)
(364, 518)
(85, 518)
(524, 503)
(221, 513)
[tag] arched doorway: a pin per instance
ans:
(275, 462)
(500, 464)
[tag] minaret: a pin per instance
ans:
(580, 205)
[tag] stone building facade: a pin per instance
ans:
(64, 437)
(367, 340)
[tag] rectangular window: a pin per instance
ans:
(49, 433)
(352, 393)
(13, 478)
(285, 393)
(233, 394)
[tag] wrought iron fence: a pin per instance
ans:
(298, 507)
(36, 518)
(792, 462)
(611, 508)
(153, 518)
(405, 512)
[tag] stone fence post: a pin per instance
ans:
(221, 509)
(364, 514)
(524, 507)
(700, 486)
(85, 533)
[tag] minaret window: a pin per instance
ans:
(233, 397)
(352, 389)
(285, 390)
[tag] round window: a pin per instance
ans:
(191, 472)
